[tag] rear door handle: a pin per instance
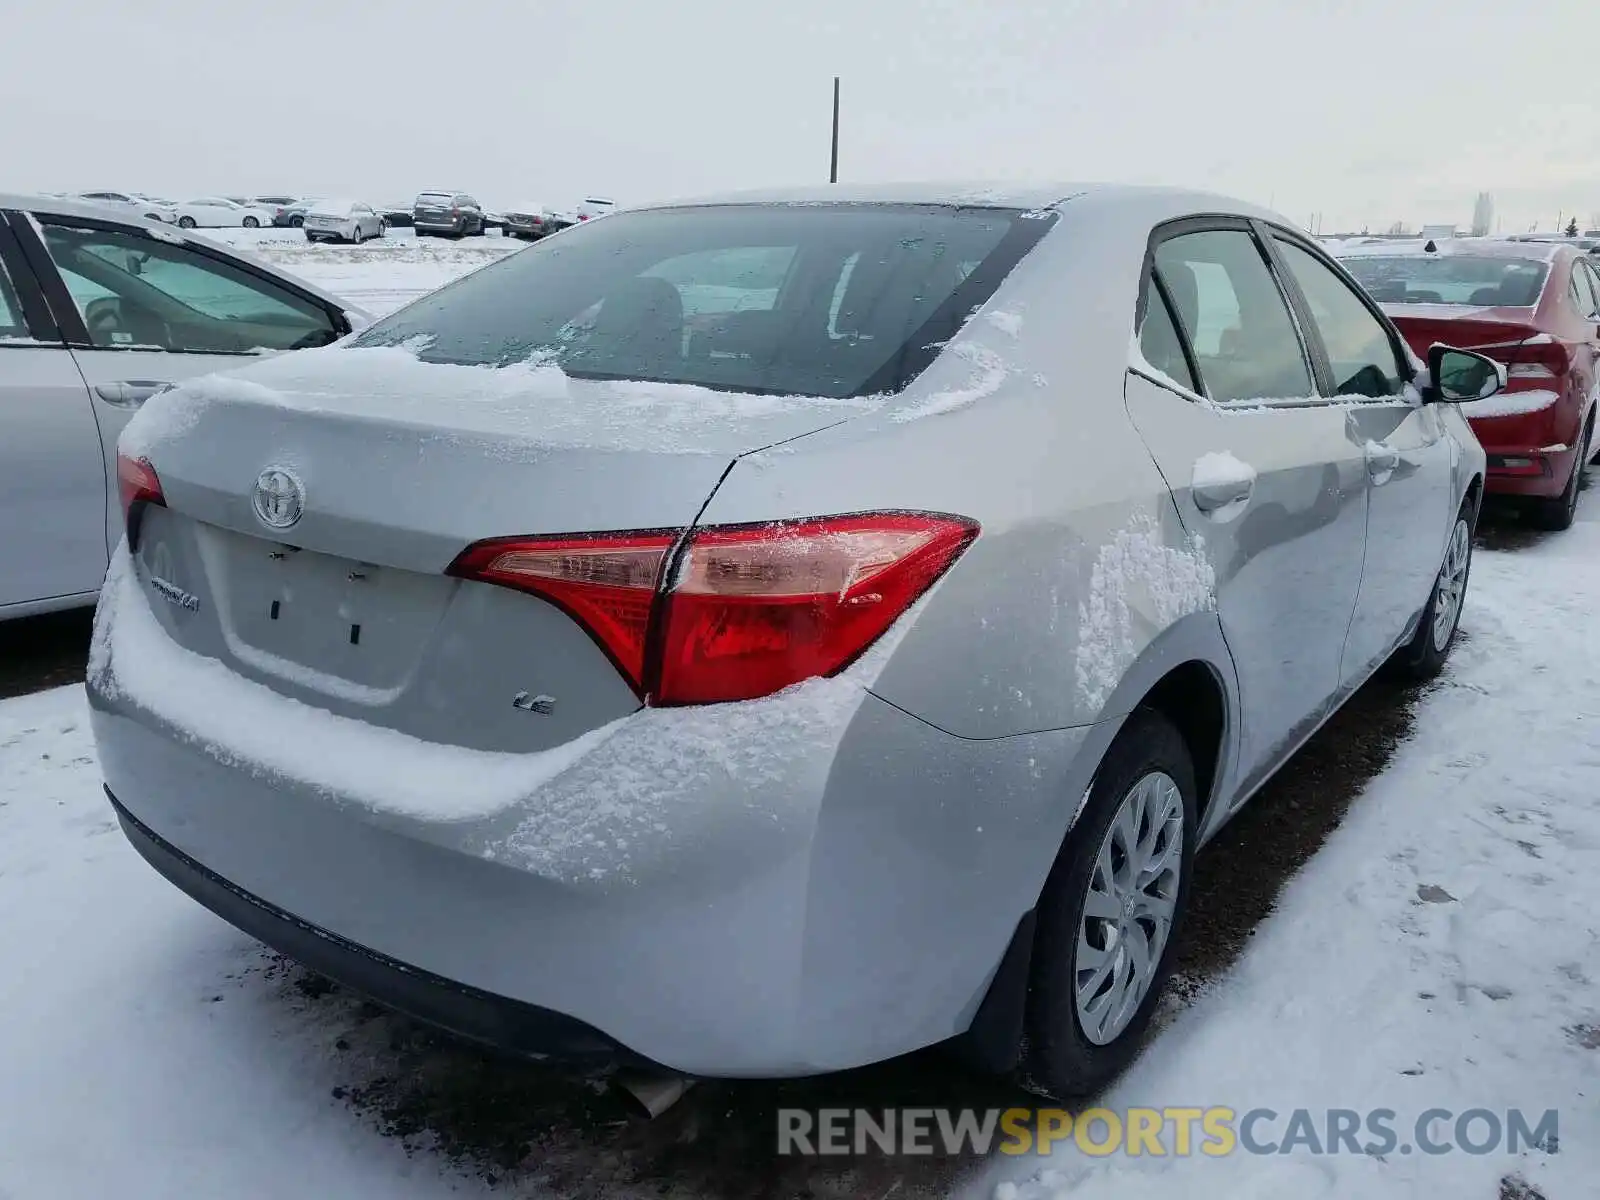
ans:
(1381, 463)
(129, 393)
(1212, 496)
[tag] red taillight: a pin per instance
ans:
(751, 610)
(607, 584)
(1532, 365)
(138, 486)
(755, 610)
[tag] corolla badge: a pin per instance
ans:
(279, 498)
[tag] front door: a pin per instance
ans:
(1410, 463)
(1268, 476)
(52, 479)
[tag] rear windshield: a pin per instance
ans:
(829, 300)
(435, 198)
(1478, 280)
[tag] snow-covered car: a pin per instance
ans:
(342, 221)
(594, 206)
(530, 221)
(97, 313)
(132, 204)
(218, 212)
(491, 662)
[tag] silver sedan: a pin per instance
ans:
(771, 634)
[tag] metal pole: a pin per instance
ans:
(833, 162)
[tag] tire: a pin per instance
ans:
(312, 238)
(252, 223)
(1068, 1053)
(1423, 657)
(356, 236)
(1557, 513)
(295, 222)
(185, 222)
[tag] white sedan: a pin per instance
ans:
(131, 204)
(343, 221)
(216, 212)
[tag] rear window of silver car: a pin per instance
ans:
(819, 300)
(1483, 281)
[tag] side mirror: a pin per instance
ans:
(1461, 375)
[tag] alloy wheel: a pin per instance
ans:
(1452, 584)
(1128, 909)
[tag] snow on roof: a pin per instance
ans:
(1483, 247)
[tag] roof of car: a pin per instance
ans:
(1483, 247)
(1150, 201)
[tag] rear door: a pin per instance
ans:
(141, 312)
(1410, 462)
(53, 484)
(1267, 474)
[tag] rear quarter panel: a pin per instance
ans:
(1049, 618)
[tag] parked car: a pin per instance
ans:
(546, 705)
(447, 214)
(130, 204)
(342, 221)
(594, 206)
(1534, 306)
(283, 209)
(396, 216)
(218, 212)
(97, 312)
(530, 221)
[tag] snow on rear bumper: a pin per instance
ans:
(802, 884)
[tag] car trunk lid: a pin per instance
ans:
(397, 466)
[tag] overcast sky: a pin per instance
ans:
(1366, 111)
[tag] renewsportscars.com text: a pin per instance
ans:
(1158, 1132)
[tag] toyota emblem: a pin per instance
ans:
(279, 499)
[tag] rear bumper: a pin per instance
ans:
(1529, 453)
(467, 1012)
(439, 226)
(737, 890)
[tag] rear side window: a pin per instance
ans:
(829, 300)
(1245, 343)
(1362, 357)
(1159, 341)
(11, 325)
(1583, 288)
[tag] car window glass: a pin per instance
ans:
(11, 325)
(1583, 289)
(733, 279)
(136, 291)
(1244, 341)
(1159, 341)
(1360, 353)
(1594, 285)
(741, 298)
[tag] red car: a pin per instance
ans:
(1534, 306)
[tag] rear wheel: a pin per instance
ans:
(1558, 512)
(252, 223)
(295, 222)
(1109, 911)
(356, 236)
(185, 222)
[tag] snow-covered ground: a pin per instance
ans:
(378, 276)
